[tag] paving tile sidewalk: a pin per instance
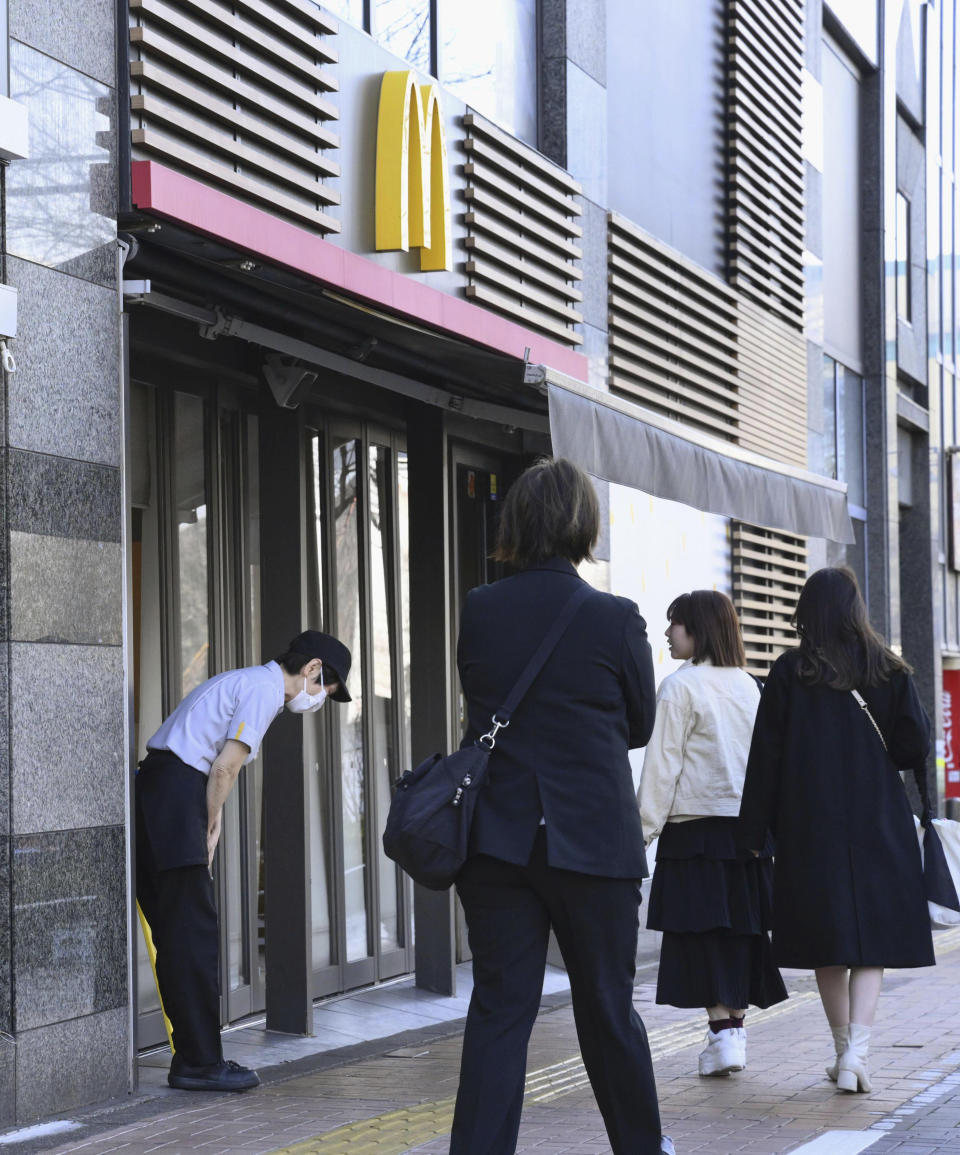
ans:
(376, 1103)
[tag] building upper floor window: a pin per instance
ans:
(903, 257)
(840, 452)
(485, 53)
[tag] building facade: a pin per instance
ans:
(290, 293)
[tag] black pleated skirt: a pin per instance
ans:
(713, 905)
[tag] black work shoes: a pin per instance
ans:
(224, 1076)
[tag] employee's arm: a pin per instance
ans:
(223, 774)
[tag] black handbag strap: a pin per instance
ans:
(919, 774)
(501, 719)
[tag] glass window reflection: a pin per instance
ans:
(349, 10)
(347, 462)
(191, 510)
(404, 27)
(903, 257)
(488, 57)
(61, 201)
(320, 779)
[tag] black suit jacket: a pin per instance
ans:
(564, 754)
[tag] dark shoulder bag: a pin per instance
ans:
(428, 826)
(937, 880)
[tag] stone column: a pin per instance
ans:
(64, 999)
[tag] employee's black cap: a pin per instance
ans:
(331, 651)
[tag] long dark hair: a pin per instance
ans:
(838, 646)
(710, 619)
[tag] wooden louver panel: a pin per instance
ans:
(522, 236)
(234, 94)
(773, 385)
(766, 179)
(769, 569)
(672, 333)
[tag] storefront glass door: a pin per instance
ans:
(195, 560)
(359, 591)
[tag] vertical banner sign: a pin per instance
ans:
(951, 733)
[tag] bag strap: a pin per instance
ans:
(501, 719)
(919, 775)
(866, 709)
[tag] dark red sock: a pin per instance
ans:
(737, 1022)
(718, 1025)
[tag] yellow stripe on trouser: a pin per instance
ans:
(152, 953)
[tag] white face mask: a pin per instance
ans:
(305, 703)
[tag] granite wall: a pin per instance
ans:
(63, 924)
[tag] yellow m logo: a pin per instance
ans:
(413, 194)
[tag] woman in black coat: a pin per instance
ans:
(848, 886)
(556, 841)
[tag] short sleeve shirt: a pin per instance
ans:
(239, 704)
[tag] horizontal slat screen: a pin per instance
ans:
(522, 236)
(235, 94)
(672, 333)
(769, 569)
(765, 44)
(773, 385)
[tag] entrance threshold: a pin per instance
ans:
(362, 1016)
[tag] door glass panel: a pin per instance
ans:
(384, 762)
(254, 771)
(319, 774)
(191, 514)
(403, 528)
(148, 692)
(346, 513)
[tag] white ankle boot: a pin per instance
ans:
(852, 1073)
(840, 1037)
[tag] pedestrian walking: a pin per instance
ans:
(848, 886)
(556, 838)
(711, 901)
(191, 766)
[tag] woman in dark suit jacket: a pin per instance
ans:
(847, 884)
(556, 839)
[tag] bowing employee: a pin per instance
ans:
(191, 766)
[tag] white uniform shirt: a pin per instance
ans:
(696, 759)
(238, 704)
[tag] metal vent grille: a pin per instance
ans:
(672, 333)
(766, 177)
(234, 94)
(769, 569)
(523, 238)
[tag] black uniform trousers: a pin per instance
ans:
(175, 893)
(509, 911)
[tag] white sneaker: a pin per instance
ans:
(726, 1051)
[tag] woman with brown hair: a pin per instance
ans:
(711, 901)
(555, 841)
(848, 883)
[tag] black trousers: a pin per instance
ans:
(509, 911)
(175, 893)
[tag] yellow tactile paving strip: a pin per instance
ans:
(398, 1131)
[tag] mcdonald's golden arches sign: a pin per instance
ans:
(413, 191)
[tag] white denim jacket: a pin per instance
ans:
(696, 758)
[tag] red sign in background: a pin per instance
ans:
(951, 733)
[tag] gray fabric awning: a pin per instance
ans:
(624, 443)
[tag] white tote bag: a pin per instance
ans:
(942, 917)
